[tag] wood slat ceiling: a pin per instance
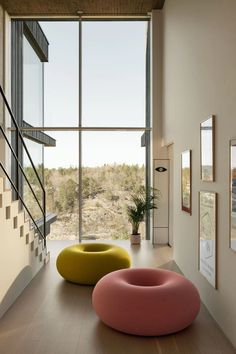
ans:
(89, 7)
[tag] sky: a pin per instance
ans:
(113, 90)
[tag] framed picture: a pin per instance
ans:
(186, 176)
(232, 238)
(207, 235)
(207, 134)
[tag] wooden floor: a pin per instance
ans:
(56, 317)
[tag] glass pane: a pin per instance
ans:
(114, 69)
(32, 114)
(61, 184)
(36, 153)
(113, 171)
(32, 86)
(61, 74)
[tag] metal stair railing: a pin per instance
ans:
(20, 168)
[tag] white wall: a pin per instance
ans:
(1, 44)
(5, 82)
(199, 79)
(21, 253)
(2, 150)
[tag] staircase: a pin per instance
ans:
(22, 251)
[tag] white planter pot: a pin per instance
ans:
(135, 239)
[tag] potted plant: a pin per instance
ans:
(141, 202)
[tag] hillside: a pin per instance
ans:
(106, 192)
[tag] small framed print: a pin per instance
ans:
(207, 134)
(208, 235)
(232, 238)
(186, 176)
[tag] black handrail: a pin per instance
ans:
(19, 135)
(21, 168)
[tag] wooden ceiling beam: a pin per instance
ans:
(88, 7)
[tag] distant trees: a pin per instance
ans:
(68, 196)
(91, 187)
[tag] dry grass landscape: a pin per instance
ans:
(106, 193)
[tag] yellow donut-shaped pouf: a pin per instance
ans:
(87, 263)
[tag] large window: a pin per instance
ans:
(94, 80)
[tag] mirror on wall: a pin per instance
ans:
(207, 132)
(233, 194)
(186, 181)
(207, 235)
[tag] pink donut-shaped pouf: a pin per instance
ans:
(146, 301)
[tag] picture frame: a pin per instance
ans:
(207, 149)
(186, 180)
(207, 262)
(232, 197)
